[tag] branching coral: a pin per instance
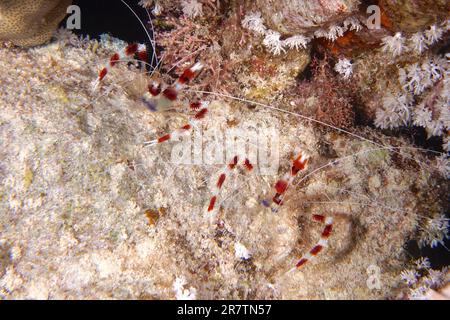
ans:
(192, 8)
(344, 67)
(326, 97)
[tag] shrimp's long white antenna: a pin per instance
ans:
(299, 115)
(186, 57)
(259, 104)
(142, 24)
(154, 55)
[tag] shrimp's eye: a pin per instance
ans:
(154, 89)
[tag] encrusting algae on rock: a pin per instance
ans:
(88, 210)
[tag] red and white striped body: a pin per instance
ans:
(299, 163)
(185, 129)
(158, 99)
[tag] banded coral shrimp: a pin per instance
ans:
(310, 192)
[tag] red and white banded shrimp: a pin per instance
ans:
(160, 97)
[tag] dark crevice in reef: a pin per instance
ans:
(317, 54)
(439, 257)
(114, 18)
(420, 138)
(111, 17)
(417, 135)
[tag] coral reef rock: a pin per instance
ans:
(88, 211)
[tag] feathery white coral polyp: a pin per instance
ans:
(435, 230)
(334, 32)
(409, 276)
(273, 43)
(254, 22)
(422, 116)
(434, 34)
(192, 8)
(418, 42)
(352, 23)
(395, 111)
(157, 9)
(344, 67)
(423, 263)
(296, 42)
(180, 292)
(394, 45)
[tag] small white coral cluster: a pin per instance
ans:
(241, 252)
(272, 39)
(421, 279)
(181, 293)
(422, 101)
(155, 5)
(192, 8)
(344, 67)
(418, 42)
(435, 231)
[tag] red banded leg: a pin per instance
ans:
(225, 172)
(321, 244)
(158, 99)
(199, 115)
(129, 51)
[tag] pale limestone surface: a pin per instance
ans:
(76, 179)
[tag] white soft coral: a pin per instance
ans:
(344, 67)
(395, 111)
(180, 292)
(241, 252)
(422, 116)
(435, 229)
(409, 276)
(352, 23)
(254, 22)
(273, 43)
(434, 34)
(296, 42)
(418, 42)
(334, 32)
(394, 45)
(192, 8)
